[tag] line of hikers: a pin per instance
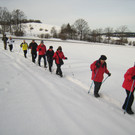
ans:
(98, 68)
(58, 56)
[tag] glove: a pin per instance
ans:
(133, 77)
(66, 58)
(109, 74)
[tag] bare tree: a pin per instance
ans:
(99, 35)
(82, 28)
(54, 32)
(18, 16)
(121, 34)
(108, 31)
(93, 35)
(4, 19)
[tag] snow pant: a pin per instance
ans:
(34, 56)
(5, 45)
(130, 102)
(97, 87)
(10, 47)
(58, 71)
(50, 63)
(39, 60)
(25, 52)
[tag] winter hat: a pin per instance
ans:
(59, 48)
(102, 57)
(42, 41)
(51, 47)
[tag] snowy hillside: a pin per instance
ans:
(34, 29)
(35, 102)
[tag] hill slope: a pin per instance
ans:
(34, 101)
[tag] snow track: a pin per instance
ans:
(34, 101)
(86, 88)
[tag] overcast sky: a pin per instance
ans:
(98, 13)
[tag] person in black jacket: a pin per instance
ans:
(49, 55)
(4, 39)
(33, 46)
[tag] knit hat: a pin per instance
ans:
(51, 47)
(42, 41)
(102, 57)
(59, 48)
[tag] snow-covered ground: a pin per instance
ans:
(34, 29)
(35, 102)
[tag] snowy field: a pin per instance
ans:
(35, 102)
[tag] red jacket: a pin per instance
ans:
(56, 57)
(128, 81)
(98, 71)
(41, 49)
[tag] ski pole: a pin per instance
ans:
(19, 50)
(129, 96)
(70, 69)
(92, 82)
(105, 79)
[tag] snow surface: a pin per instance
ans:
(39, 28)
(35, 102)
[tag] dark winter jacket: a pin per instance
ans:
(128, 81)
(49, 55)
(98, 70)
(4, 39)
(33, 47)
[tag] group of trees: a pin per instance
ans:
(12, 22)
(81, 31)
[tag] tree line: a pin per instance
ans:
(12, 21)
(79, 30)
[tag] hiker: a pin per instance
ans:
(42, 52)
(99, 67)
(129, 86)
(4, 39)
(10, 43)
(24, 47)
(33, 46)
(58, 56)
(49, 55)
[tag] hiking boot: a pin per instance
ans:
(130, 112)
(97, 95)
(61, 75)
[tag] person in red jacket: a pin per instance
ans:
(42, 51)
(58, 56)
(129, 86)
(99, 67)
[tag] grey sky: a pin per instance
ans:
(98, 13)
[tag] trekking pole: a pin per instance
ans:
(129, 96)
(19, 50)
(70, 69)
(105, 79)
(92, 81)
